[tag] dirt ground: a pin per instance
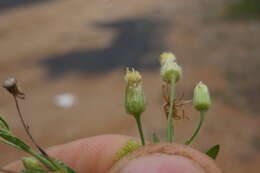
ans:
(82, 47)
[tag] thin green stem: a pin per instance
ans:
(170, 127)
(140, 129)
(202, 117)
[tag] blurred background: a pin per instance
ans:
(70, 56)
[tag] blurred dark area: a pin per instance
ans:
(8, 4)
(135, 44)
(69, 58)
(244, 9)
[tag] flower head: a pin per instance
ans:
(170, 70)
(132, 76)
(201, 97)
(134, 95)
(167, 56)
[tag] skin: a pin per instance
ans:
(97, 155)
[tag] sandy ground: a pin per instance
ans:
(82, 47)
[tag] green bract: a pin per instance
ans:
(134, 99)
(201, 97)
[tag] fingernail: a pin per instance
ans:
(162, 163)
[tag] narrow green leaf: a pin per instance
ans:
(213, 151)
(34, 170)
(155, 138)
(7, 138)
(13, 141)
(62, 168)
(3, 124)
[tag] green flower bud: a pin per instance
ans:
(134, 95)
(201, 97)
(170, 70)
(167, 56)
(31, 163)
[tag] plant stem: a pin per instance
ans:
(26, 127)
(140, 129)
(170, 128)
(43, 160)
(202, 116)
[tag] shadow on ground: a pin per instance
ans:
(7, 4)
(137, 43)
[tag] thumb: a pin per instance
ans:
(162, 163)
(97, 155)
(166, 158)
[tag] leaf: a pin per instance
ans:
(7, 138)
(4, 125)
(128, 148)
(213, 151)
(34, 170)
(155, 138)
(62, 168)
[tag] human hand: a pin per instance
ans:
(97, 155)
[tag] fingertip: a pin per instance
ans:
(162, 163)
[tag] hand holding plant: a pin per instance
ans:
(119, 153)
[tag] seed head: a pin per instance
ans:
(10, 85)
(201, 97)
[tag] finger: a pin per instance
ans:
(97, 155)
(162, 163)
(166, 158)
(89, 155)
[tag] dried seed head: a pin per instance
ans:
(11, 85)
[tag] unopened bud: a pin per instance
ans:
(31, 163)
(170, 70)
(201, 97)
(167, 56)
(134, 95)
(10, 85)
